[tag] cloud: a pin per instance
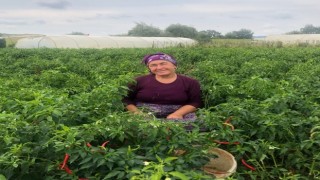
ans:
(54, 4)
(2, 22)
(283, 16)
(21, 22)
(110, 15)
(113, 17)
(32, 14)
(40, 22)
(216, 8)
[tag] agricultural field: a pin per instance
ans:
(62, 116)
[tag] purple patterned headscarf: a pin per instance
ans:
(158, 56)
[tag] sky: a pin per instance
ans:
(117, 17)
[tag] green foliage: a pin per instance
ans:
(77, 33)
(2, 42)
(54, 102)
(212, 33)
(203, 37)
(307, 29)
(178, 30)
(174, 30)
(144, 30)
(241, 34)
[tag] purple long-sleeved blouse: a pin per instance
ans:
(183, 91)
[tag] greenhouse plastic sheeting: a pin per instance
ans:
(81, 41)
(295, 38)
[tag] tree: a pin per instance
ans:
(294, 32)
(208, 35)
(142, 29)
(212, 33)
(307, 29)
(310, 29)
(2, 42)
(77, 33)
(203, 37)
(178, 30)
(241, 34)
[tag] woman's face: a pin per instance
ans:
(162, 68)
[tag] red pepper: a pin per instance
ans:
(221, 142)
(66, 168)
(104, 144)
(88, 145)
(247, 165)
(226, 142)
(231, 126)
(228, 120)
(65, 160)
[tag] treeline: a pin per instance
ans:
(179, 30)
(307, 29)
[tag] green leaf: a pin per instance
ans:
(263, 156)
(158, 158)
(121, 163)
(73, 158)
(57, 113)
(156, 176)
(179, 175)
(85, 160)
(135, 171)
(121, 138)
(169, 159)
(86, 166)
(101, 162)
(131, 162)
(121, 175)
(83, 154)
(2, 177)
(111, 174)
(110, 165)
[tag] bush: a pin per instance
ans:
(2, 43)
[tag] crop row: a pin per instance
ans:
(62, 116)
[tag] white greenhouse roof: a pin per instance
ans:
(100, 42)
(295, 38)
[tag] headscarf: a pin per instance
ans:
(159, 56)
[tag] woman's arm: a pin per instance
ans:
(178, 114)
(133, 108)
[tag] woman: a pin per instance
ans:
(163, 92)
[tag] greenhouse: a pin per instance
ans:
(295, 38)
(100, 42)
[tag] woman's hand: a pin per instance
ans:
(133, 109)
(174, 116)
(178, 114)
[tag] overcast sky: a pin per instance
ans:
(112, 17)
